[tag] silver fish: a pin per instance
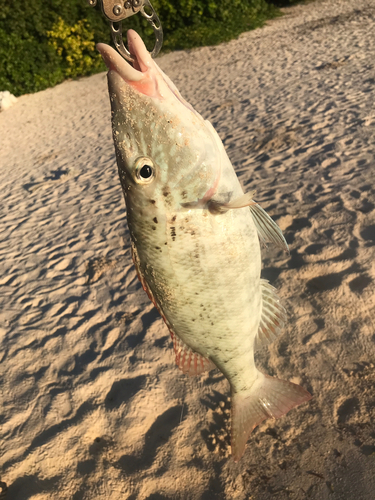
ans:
(195, 239)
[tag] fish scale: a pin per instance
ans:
(191, 264)
(195, 239)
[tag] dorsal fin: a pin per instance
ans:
(268, 230)
(187, 360)
(273, 316)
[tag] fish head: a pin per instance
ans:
(166, 152)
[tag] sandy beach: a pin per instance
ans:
(92, 406)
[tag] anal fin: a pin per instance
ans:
(187, 360)
(273, 316)
(267, 398)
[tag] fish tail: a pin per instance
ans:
(268, 398)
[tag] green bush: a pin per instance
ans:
(209, 23)
(28, 60)
(42, 43)
(75, 46)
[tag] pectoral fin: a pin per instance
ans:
(216, 207)
(268, 230)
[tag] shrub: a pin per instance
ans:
(75, 45)
(28, 60)
(42, 43)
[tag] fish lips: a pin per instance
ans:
(141, 76)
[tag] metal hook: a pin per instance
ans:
(153, 19)
(118, 10)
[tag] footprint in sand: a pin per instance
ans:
(157, 436)
(95, 268)
(348, 411)
(360, 283)
(368, 234)
(3, 492)
(123, 390)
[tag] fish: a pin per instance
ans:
(196, 238)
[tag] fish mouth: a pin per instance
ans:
(140, 75)
(144, 75)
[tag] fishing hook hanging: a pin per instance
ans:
(118, 10)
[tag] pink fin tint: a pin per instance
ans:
(268, 398)
(188, 361)
(273, 316)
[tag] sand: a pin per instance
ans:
(91, 403)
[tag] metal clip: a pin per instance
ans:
(118, 10)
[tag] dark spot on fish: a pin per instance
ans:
(201, 315)
(173, 233)
(212, 323)
(202, 305)
(204, 309)
(155, 220)
(192, 233)
(153, 202)
(184, 194)
(174, 218)
(154, 228)
(197, 256)
(193, 320)
(166, 192)
(166, 243)
(196, 293)
(157, 248)
(186, 219)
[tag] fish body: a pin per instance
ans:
(195, 238)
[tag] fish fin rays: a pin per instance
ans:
(268, 398)
(187, 360)
(268, 230)
(217, 207)
(273, 316)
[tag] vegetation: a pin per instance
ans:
(76, 46)
(43, 43)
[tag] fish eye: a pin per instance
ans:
(144, 170)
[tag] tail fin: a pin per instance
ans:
(268, 398)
